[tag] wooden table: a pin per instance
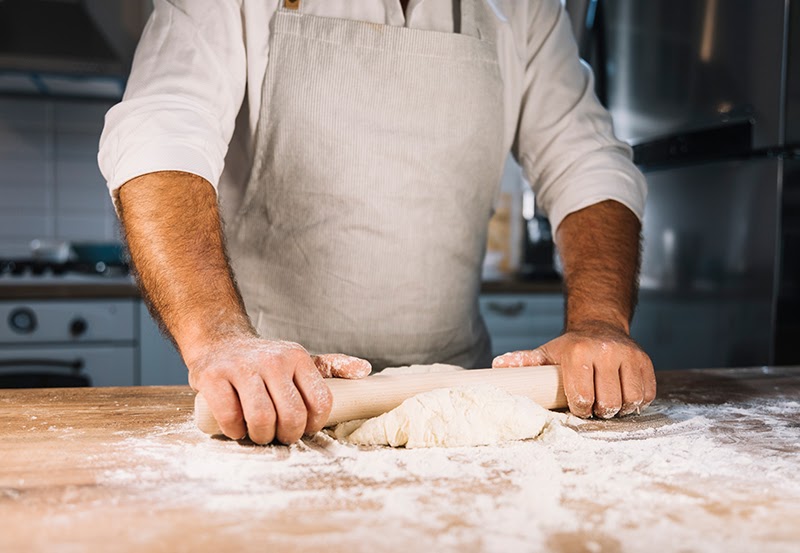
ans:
(714, 465)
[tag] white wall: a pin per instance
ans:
(50, 186)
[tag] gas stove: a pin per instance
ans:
(66, 323)
(37, 273)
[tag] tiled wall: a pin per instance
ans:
(50, 186)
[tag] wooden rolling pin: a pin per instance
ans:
(379, 393)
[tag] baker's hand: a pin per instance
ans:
(269, 389)
(605, 372)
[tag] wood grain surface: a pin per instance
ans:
(121, 469)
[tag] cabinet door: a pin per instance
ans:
(521, 321)
(160, 363)
(103, 365)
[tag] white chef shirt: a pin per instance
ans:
(195, 90)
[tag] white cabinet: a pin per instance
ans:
(522, 321)
(159, 362)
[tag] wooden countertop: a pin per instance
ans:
(518, 285)
(11, 290)
(713, 465)
(112, 289)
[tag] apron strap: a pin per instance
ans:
(479, 19)
(469, 23)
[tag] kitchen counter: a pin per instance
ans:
(516, 285)
(712, 465)
(117, 288)
(126, 288)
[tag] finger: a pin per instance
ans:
(577, 372)
(607, 388)
(632, 387)
(648, 379)
(339, 365)
(259, 413)
(523, 358)
(316, 396)
(224, 404)
(290, 409)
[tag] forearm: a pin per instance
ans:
(173, 229)
(599, 248)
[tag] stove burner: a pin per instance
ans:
(38, 268)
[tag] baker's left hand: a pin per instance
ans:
(604, 371)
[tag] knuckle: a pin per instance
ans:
(262, 419)
(229, 418)
(581, 349)
(292, 419)
(319, 410)
(633, 393)
(289, 436)
(580, 367)
(324, 401)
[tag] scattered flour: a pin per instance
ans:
(688, 480)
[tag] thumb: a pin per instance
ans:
(523, 358)
(339, 365)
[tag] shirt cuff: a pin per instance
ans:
(161, 157)
(626, 187)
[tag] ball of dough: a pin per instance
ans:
(451, 417)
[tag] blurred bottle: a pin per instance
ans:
(538, 260)
(505, 238)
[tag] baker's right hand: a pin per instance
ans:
(269, 389)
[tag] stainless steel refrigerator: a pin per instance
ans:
(708, 93)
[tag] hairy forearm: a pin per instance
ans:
(600, 253)
(174, 234)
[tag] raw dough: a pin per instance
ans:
(450, 417)
(422, 369)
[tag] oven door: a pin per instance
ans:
(53, 367)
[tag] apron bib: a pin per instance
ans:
(378, 159)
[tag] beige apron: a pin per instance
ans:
(378, 158)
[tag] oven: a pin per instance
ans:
(55, 343)
(67, 323)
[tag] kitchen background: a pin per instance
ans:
(706, 90)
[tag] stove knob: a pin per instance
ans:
(78, 327)
(22, 320)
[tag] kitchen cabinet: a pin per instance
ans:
(521, 321)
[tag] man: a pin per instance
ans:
(365, 143)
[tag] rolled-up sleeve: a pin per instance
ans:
(186, 86)
(565, 140)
